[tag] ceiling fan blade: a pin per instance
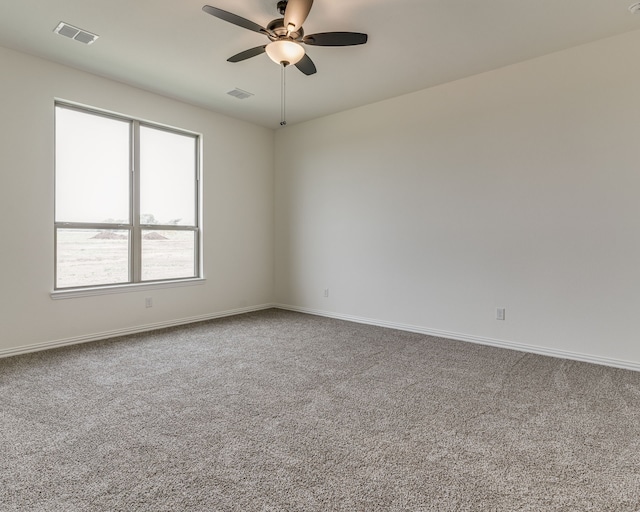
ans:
(247, 54)
(235, 19)
(296, 12)
(306, 65)
(335, 39)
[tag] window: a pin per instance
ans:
(126, 201)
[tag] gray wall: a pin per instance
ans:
(517, 188)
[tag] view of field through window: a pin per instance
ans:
(101, 257)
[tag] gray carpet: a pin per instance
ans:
(280, 411)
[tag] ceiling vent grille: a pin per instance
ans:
(64, 29)
(240, 94)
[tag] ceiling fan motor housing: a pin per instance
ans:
(279, 31)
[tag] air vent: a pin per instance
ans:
(240, 94)
(64, 29)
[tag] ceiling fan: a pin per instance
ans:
(286, 35)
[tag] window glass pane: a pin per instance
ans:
(167, 177)
(92, 168)
(168, 254)
(89, 257)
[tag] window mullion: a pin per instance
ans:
(136, 234)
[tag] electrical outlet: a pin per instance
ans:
(500, 313)
(326, 292)
(148, 302)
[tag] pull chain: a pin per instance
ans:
(283, 119)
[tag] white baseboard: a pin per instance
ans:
(521, 347)
(36, 347)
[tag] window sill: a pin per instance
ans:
(123, 288)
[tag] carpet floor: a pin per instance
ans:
(281, 411)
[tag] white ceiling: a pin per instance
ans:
(174, 48)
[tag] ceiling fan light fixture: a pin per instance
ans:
(285, 50)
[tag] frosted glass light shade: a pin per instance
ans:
(285, 51)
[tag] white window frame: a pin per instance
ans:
(134, 226)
